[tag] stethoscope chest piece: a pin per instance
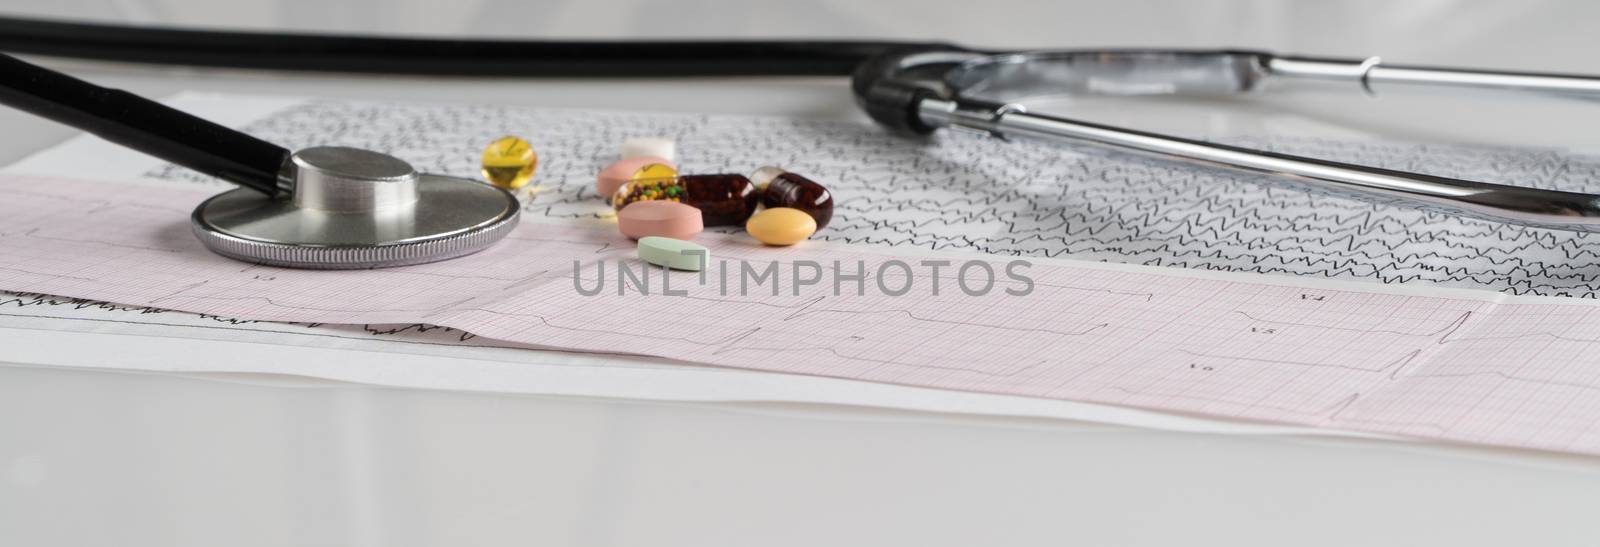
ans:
(351, 209)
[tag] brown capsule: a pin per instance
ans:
(784, 189)
(723, 200)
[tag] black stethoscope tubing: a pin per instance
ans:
(440, 56)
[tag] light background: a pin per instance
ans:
(92, 458)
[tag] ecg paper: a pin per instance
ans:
(967, 192)
(1460, 365)
(43, 330)
(973, 194)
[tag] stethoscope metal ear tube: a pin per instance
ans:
(987, 93)
(1510, 204)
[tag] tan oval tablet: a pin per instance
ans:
(659, 218)
(781, 226)
(617, 174)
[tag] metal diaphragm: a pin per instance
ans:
(353, 209)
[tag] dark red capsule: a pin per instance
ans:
(723, 200)
(786, 189)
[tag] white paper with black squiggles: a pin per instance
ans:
(958, 191)
(971, 192)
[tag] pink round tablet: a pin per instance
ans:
(615, 175)
(659, 218)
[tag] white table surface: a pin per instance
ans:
(103, 458)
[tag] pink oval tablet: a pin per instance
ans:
(615, 175)
(659, 218)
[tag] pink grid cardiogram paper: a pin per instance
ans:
(1456, 365)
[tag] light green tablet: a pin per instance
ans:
(673, 253)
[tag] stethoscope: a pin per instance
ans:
(343, 208)
(921, 91)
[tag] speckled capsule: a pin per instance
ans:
(723, 200)
(781, 188)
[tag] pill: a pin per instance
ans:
(765, 175)
(723, 200)
(615, 175)
(509, 162)
(659, 218)
(673, 253)
(780, 188)
(656, 147)
(781, 226)
(654, 171)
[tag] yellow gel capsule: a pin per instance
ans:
(781, 226)
(509, 162)
(654, 171)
